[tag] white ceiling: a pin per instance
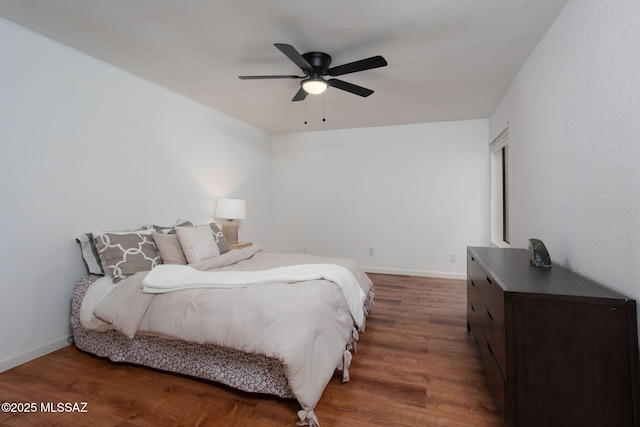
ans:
(448, 60)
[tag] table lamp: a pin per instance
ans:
(230, 209)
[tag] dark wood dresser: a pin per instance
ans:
(559, 350)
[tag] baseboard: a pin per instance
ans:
(421, 273)
(27, 356)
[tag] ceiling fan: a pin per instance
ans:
(315, 65)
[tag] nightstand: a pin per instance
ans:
(240, 245)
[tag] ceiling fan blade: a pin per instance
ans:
(300, 95)
(363, 64)
(294, 55)
(270, 77)
(350, 87)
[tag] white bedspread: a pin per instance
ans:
(170, 278)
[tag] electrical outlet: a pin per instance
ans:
(371, 252)
(452, 257)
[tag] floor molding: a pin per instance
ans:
(34, 353)
(419, 273)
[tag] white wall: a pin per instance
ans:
(86, 146)
(414, 193)
(574, 114)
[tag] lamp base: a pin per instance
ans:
(230, 231)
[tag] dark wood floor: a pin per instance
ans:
(416, 366)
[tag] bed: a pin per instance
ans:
(257, 321)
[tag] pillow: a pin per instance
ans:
(90, 253)
(221, 241)
(169, 247)
(170, 228)
(124, 254)
(197, 243)
(124, 309)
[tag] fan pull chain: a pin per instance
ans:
(324, 103)
(324, 109)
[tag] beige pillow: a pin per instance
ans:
(169, 248)
(197, 243)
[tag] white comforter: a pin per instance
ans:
(171, 278)
(307, 326)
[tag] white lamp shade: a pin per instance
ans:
(231, 209)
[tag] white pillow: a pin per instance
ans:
(197, 243)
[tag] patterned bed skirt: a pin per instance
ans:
(248, 372)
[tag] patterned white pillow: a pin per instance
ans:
(124, 254)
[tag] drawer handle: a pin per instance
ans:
(489, 280)
(473, 259)
(489, 313)
(473, 308)
(472, 284)
(489, 347)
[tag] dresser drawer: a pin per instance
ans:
(494, 375)
(490, 310)
(472, 290)
(475, 271)
(473, 322)
(479, 277)
(494, 324)
(475, 310)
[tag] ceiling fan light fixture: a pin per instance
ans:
(314, 86)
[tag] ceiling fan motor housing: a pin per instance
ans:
(320, 61)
